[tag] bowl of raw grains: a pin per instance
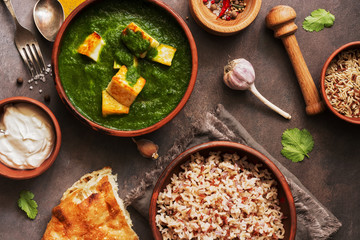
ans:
(224, 17)
(222, 190)
(340, 82)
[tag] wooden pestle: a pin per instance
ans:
(281, 20)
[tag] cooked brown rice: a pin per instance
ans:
(220, 197)
(342, 83)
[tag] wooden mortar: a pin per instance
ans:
(281, 20)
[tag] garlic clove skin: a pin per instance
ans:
(147, 148)
(239, 74)
(233, 82)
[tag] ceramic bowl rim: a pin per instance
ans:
(183, 157)
(350, 45)
(18, 174)
(112, 131)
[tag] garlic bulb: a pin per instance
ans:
(239, 74)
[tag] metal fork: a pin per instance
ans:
(27, 46)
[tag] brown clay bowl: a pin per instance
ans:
(212, 24)
(286, 199)
(26, 174)
(110, 131)
(348, 46)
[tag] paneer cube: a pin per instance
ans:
(110, 106)
(120, 89)
(92, 46)
(165, 54)
(137, 40)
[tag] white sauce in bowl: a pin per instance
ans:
(29, 136)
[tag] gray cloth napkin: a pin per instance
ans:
(314, 221)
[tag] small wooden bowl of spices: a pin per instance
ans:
(224, 17)
(340, 82)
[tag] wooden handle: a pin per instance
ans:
(281, 20)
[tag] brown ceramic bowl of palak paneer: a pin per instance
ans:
(124, 68)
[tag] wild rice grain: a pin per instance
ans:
(342, 83)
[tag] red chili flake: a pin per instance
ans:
(226, 5)
(178, 198)
(176, 190)
(202, 168)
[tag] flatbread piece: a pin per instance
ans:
(91, 210)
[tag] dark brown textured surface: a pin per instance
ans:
(331, 173)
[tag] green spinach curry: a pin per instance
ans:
(83, 79)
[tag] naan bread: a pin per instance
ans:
(91, 210)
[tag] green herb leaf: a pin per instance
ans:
(318, 19)
(296, 144)
(27, 204)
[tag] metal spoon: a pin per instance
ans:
(48, 17)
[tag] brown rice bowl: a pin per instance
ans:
(220, 197)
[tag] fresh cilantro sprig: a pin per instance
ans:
(296, 144)
(318, 19)
(27, 204)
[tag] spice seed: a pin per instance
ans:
(19, 80)
(225, 9)
(47, 98)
